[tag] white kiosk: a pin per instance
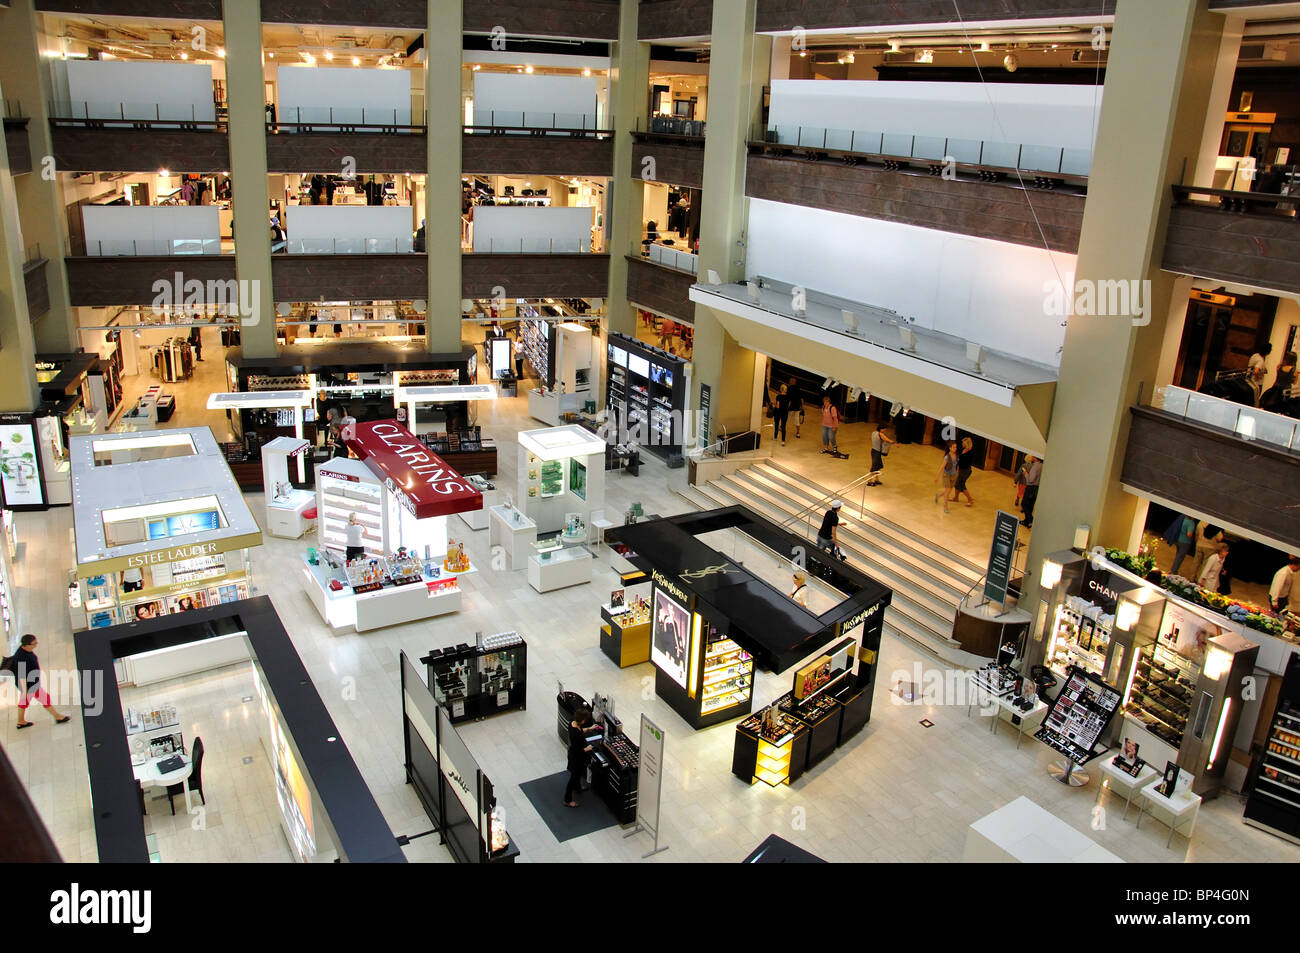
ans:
(562, 478)
(286, 505)
(402, 494)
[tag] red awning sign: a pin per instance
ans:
(420, 480)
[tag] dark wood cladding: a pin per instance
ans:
(349, 277)
(392, 14)
(580, 19)
(825, 14)
(95, 282)
(18, 147)
(981, 209)
(1209, 242)
(152, 9)
(1236, 4)
(677, 162)
(38, 288)
(537, 155)
(1244, 482)
(78, 149)
(660, 289)
(322, 151)
(666, 19)
(535, 276)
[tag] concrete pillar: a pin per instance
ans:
(738, 66)
(1158, 90)
(26, 79)
(246, 98)
(1225, 71)
(629, 83)
(442, 81)
(17, 345)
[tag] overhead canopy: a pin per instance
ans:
(417, 476)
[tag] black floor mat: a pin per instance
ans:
(547, 797)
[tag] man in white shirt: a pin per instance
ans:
(1280, 592)
(1211, 572)
(1256, 369)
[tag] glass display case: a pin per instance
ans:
(473, 682)
(1162, 692)
(728, 676)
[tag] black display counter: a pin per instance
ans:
(615, 758)
(477, 681)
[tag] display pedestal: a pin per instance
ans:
(567, 567)
(514, 532)
(551, 407)
(284, 517)
(1067, 772)
(624, 644)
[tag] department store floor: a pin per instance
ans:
(897, 792)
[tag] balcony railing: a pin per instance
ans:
(987, 153)
(165, 247)
(535, 123)
(1246, 422)
(533, 246)
(671, 126)
(347, 246)
(345, 119)
(677, 259)
(107, 113)
(1272, 204)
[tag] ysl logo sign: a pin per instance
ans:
(722, 569)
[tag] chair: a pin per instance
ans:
(598, 525)
(195, 780)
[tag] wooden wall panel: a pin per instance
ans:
(152, 9)
(1259, 250)
(824, 14)
(581, 19)
(325, 152)
(38, 289)
(18, 147)
(677, 162)
(537, 155)
(95, 282)
(985, 210)
(1250, 484)
(666, 19)
(79, 149)
(349, 277)
(535, 276)
(393, 14)
(660, 289)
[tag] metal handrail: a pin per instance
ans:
(807, 512)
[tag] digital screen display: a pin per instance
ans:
(192, 523)
(501, 351)
(20, 475)
(661, 375)
(638, 365)
(157, 529)
(671, 636)
(618, 356)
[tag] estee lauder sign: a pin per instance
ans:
(419, 479)
(172, 554)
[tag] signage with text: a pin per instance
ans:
(419, 479)
(20, 465)
(1001, 555)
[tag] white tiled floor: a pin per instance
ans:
(897, 792)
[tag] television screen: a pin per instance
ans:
(618, 356)
(157, 529)
(638, 365)
(671, 636)
(192, 523)
(661, 375)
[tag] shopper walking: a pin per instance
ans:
(26, 668)
(1257, 369)
(947, 476)
(880, 444)
(196, 340)
(579, 753)
(780, 414)
(1184, 541)
(800, 592)
(965, 466)
(1282, 592)
(830, 426)
(1208, 538)
(356, 533)
(1213, 572)
(1031, 471)
(828, 537)
(796, 404)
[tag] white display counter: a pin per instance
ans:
(392, 605)
(560, 569)
(478, 519)
(550, 407)
(284, 516)
(285, 504)
(513, 532)
(146, 668)
(561, 473)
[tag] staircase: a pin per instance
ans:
(928, 581)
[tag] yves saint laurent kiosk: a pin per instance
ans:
(400, 494)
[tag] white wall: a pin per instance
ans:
(1051, 116)
(980, 290)
(317, 228)
(505, 98)
(315, 90)
(155, 229)
(181, 90)
(501, 228)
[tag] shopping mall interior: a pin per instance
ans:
(864, 432)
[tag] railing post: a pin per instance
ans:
(1020, 152)
(1060, 166)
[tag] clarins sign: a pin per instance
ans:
(420, 480)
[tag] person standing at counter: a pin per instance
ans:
(356, 533)
(27, 672)
(579, 753)
(1282, 592)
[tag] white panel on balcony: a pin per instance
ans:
(524, 99)
(151, 229)
(349, 229)
(110, 89)
(341, 94)
(511, 229)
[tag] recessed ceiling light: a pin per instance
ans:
(221, 51)
(271, 54)
(586, 71)
(329, 57)
(356, 61)
(528, 69)
(185, 56)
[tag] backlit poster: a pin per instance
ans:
(20, 473)
(671, 633)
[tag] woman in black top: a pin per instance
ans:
(579, 751)
(27, 670)
(965, 464)
(780, 414)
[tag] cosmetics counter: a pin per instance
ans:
(625, 636)
(615, 758)
(475, 681)
(561, 475)
(160, 527)
(646, 394)
(1274, 803)
(286, 505)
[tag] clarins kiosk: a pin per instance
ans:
(285, 503)
(401, 494)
